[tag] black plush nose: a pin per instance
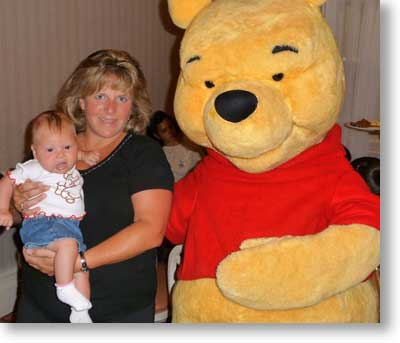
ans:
(235, 105)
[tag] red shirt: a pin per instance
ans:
(217, 206)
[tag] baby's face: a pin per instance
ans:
(56, 151)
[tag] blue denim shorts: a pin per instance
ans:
(41, 231)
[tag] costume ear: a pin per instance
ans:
(182, 12)
(316, 3)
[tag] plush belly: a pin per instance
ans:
(201, 301)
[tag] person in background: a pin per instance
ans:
(182, 154)
(128, 196)
(55, 150)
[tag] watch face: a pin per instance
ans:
(84, 267)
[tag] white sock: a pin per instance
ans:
(68, 294)
(80, 316)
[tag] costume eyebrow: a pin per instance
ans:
(192, 59)
(280, 48)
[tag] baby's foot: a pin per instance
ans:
(68, 294)
(80, 317)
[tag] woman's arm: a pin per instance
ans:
(152, 208)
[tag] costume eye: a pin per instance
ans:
(209, 84)
(278, 77)
(193, 59)
(284, 47)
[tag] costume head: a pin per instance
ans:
(261, 80)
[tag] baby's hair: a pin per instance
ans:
(54, 120)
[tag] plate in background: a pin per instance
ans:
(366, 129)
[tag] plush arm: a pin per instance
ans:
(293, 272)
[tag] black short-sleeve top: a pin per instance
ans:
(136, 164)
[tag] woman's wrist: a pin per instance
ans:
(78, 264)
(83, 262)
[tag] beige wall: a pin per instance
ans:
(355, 24)
(41, 41)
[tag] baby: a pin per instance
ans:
(56, 226)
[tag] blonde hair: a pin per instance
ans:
(93, 73)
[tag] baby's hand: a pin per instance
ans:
(90, 157)
(6, 219)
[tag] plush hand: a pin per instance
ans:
(298, 271)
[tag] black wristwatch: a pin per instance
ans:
(84, 267)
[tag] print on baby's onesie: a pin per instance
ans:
(64, 188)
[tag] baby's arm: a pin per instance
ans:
(6, 190)
(89, 157)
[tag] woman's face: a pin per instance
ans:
(107, 111)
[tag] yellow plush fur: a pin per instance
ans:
(228, 45)
(201, 301)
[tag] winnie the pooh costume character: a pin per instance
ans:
(276, 225)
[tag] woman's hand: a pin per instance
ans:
(41, 259)
(28, 194)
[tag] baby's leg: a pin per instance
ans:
(66, 252)
(81, 280)
(82, 283)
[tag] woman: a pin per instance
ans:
(127, 197)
